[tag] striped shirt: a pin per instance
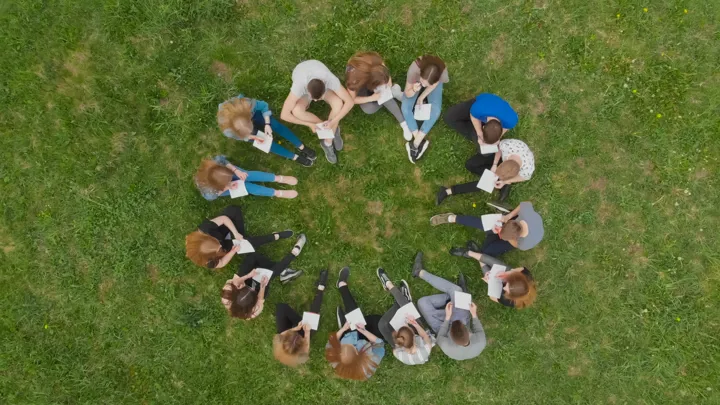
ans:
(421, 355)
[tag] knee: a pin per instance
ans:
(367, 108)
(298, 109)
(407, 105)
(434, 114)
(281, 308)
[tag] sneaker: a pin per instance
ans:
(405, 289)
(417, 264)
(441, 219)
(441, 195)
(285, 234)
(308, 153)
(397, 92)
(343, 276)
(322, 279)
(339, 315)
(384, 279)
(504, 193)
(421, 149)
(498, 205)
(411, 151)
(462, 283)
(460, 252)
(471, 245)
(329, 152)
(289, 275)
(303, 160)
(338, 141)
(302, 239)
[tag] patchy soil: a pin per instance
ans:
(221, 70)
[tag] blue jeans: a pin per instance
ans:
(254, 189)
(278, 130)
(434, 99)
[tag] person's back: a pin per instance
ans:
(459, 343)
(490, 105)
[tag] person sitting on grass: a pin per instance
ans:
(244, 297)
(215, 178)
(291, 345)
(355, 355)
(313, 81)
(514, 162)
(425, 79)
(411, 343)
(212, 244)
(521, 228)
(366, 77)
(519, 289)
(242, 118)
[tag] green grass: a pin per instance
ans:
(107, 107)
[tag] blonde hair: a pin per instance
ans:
(351, 364)
(213, 175)
(202, 249)
(236, 115)
(290, 349)
(508, 169)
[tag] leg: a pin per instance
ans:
(371, 107)
(276, 149)
(494, 246)
(284, 132)
(261, 191)
(258, 241)
(432, 309)
(473, 222)
(251, 262)
(435, 99)
(283, 264)
(348, 300)
(465, 188)
(440, 284)
(457, 117)
(335, 102)
(300, 111)
(400, 298)
(394, 109)
(408, 103)
(236, 216)
(317, 301)
(384, 325)
(260, 177)
(479, 162)
(286, 317)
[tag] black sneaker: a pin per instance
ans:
(411, 151)
(471, 245)
(384, 279)
(417, 265)
(303, 160)
(285, 234)
(289, 275)
(343, 276)
(421, 149)
(462, 283)
(441, 195)
(322, 279)
(504, 193)
(308, 153)
(405, 289)
(460, 252)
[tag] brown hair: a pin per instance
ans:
(431, 68)
(351, 364)
(366, 69)
(522, 290)
(404, 337)
(202, 249)
(492, 130)
(316, 89)
(242, 301)
(508, 169)
(290, 349)
(459, 333)
(511, 230)
(213, 175)
(236, 116)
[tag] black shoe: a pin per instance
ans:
(384, 279)
(322, 279)
(504, 192)
(411, 151)
(418, 264)
(343, 276)
(471, 245)
(441, 195)
(285, 234)
(462, 283)
(308, 153)
(289, 275)
(405, 289)
(421, 149)
(460, 252)
(303, 160)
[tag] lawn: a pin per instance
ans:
(107, 107)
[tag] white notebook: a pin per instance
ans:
(422, 112)
(355, 317)
(245, 246)
(400, 318)
(495, 284)
(462, 300)
(487, 149)
(239, 191)
(487, 181)
(385, 95)
(490, 220)
(260, 273)
(324, 133)
(312, 319)
(266, 144)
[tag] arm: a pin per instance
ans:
(425, 337)
(264, 109)
(342, 330)
(478, 129)
(348, 104)
(228, 256)
(498, 155)
(287, 115)
(224, 220)
(444, 329)
(371, 337)
(512, 214)
(363, 100)
(427, 92)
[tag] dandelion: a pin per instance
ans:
(645, 9)
(474, 205)
(634, 90)
(685, 11)
(46, 326)
(658, 115)
(617, 15)
(677, 319)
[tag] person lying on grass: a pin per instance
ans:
(217, 177)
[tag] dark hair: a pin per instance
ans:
(492, 130)
(366, 69)
(459, 333)
(511, 230)
(242, 301)
(316, 88)
(431, 68)
(404, 337)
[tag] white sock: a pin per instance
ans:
(404, 126)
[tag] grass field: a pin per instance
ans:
(107, 107)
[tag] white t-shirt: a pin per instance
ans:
(517, 147)
(309, 70)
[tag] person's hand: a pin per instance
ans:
(448, 310)
(473, 310)
(265, 281)
(411, 320)
(238, 236)
(235, 249)
(346, 326)
(360, 327)
(331, 124)
(497, 229)
(242, 175)
(499, 184)
(312, 128)
(268, 130)
(503, 275)
(252, 274)
(417, 86)
(305, 328)
(504, 218)
(375, 97)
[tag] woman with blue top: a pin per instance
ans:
(216, 178)
(242, 118)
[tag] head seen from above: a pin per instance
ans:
(242, 301)
(350, 363)
(366, 70)
(213, 175)
(202, 249)
(236, 116)
(431, 69)
(508, 169)
(459, 333)
(404, 338)
(291, 349)
(511, 230)
(519, 289)
(492, 130)
(316, 89)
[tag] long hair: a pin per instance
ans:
(242, 301)
(431, 68)
(366, 69)
(212, 175)
(522, 291)
(351, 364)
(405, 337)
(202, 249)
(236, 116)
(289, 349)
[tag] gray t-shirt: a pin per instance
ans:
(534, 224)
(309, 70)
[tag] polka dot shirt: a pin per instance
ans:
(517, 147)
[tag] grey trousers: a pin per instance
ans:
(373, 107)
(384, 325)
(432, 307)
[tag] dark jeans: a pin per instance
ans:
(457, 117)
(384, 325)
(286, 317)
(350, 305)
(236, 216)
(493, 245)
(257, 260)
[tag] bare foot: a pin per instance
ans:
(290, 180)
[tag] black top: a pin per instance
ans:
(219, 232)
(507, 301)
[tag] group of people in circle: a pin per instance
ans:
(357, 348)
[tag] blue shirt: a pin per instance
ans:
(256, 106)
(376, 351)
(489, 105)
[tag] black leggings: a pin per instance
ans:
(236, 216)
(458, 118)
(350, 305)
(286, 317)
(258, 260)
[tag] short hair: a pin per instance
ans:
(431, 68)
(508, 169)
(316, 89)
(459, 333)
(404, 337)
(213, 175)
(289, 349)
(203, 249)
(366, 70)
(349, 362)
(522, 290)
(236, 115)
(511, 230)
(242, 301)
(492, 130)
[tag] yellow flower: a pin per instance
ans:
(645, 9)
(685, 11)
(634, 90)
(617, 15)
(658, 115)
(677, 319)
(474, 205)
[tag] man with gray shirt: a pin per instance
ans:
(459, 343)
